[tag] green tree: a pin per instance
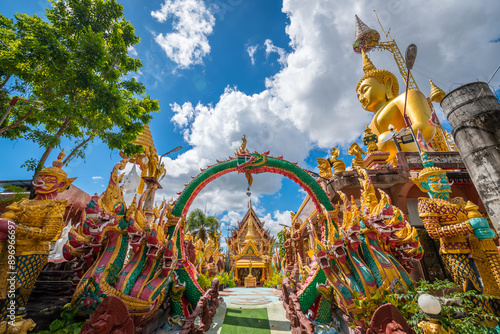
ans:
(76, 67)
(200, 225)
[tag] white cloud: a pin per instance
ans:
(251, 52)
(231, 218)
(132, 51)
(311, 101)
(214, 133)
(192, 23)
(272, 222)
(183, 114)
(96, 177)
(271, 48)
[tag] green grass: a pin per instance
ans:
(246, 321)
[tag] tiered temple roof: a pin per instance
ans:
(250, 242)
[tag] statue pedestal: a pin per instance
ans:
(376, 158)
(250, 282)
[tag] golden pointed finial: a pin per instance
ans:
(367, 63)
(145, 139)
(243, 148)
(437, 93)
(365, 37)
(59, 162)
(250, 233)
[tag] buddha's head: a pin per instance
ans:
(376, 86)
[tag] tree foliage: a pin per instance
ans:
(200, 225)
(76, 67)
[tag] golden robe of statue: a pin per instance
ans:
(378, 92)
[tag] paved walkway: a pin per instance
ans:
(245, 298)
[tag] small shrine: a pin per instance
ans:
(249, 245)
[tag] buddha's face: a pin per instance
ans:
(371, 93)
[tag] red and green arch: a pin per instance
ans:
(252, 163)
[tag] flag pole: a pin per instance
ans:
(411, 54)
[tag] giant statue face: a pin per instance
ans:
(371, 93)
(48, 183)
(437, 186)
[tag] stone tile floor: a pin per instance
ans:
(253, 298)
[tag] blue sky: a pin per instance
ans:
(283, 73)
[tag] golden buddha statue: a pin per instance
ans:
(378, 92)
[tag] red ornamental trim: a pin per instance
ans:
(291, 176)
(263, 169)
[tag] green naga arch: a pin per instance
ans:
(250, 163)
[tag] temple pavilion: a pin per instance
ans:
(249, 245)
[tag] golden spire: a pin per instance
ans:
(367, 63)
(437, 93)
(56, 169)
(365, 37)
(250, 234)
(145, 139)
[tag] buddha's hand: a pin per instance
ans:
(481, 228)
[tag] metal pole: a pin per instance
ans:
(411, 54)
(498, 68)
(171, 151)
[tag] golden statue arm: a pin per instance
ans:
(437, 231)
(419, 112)
(27, 232)
(47, 233)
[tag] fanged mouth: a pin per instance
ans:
(439, 186)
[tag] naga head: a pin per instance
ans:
(137, 225)
(170, 256)
(337, 249)
(351, 223)
(97, 223)
(408, 247)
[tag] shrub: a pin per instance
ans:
(226, 280)
(67, 324)
(275, 280)
(462, 316)
(204, 282)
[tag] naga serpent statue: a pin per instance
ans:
(364, 251)
(109, 232)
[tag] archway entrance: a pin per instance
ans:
(251, 163)
(247, 163)
(243, 162)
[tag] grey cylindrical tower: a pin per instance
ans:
(474, 113)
